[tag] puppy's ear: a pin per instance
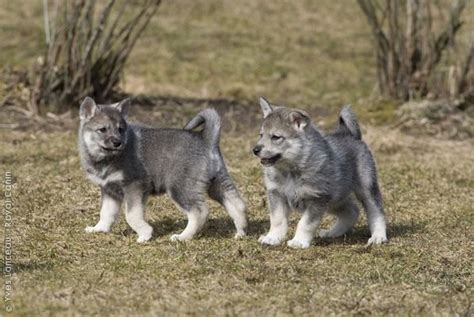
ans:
(88, 109)
(265, 106)
(299, 119)
(123, 107)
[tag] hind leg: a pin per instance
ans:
(372, 201)
(197, 217)
(223, 190)
(196, 211)
(347, 214)
(307, 226)
(371, 198)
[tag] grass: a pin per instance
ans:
(190, 46)
(426, 268)
(312, 54)
(301, 53)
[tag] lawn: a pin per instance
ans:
(60, 270)
(311, 54)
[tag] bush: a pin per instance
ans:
(409, 48)
(86, 52)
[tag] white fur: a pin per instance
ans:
(378, 228)
(108, 214)
(196, 220)
(289, 187)
(265, 106)
(236, 209)
(305, 231)
(113, 177)
(278, 225)
(135, 215)
(92, 146)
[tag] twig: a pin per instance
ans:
(467, 66)
(47, 29)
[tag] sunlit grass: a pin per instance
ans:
(425, 269)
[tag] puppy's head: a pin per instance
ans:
(281, 135)
(104, 127)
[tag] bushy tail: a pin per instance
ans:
(212, 125)
(348, 123)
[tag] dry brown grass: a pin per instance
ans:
(299, 52)
(59, 270)
(314, 54)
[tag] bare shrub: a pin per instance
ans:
(86, 52)
(408, 48)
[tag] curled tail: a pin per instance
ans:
(348, 123)
(212, 125)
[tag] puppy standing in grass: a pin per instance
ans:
(316, 173)
(131, 162)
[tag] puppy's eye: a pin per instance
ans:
(102, 130)
(276, 137)
(121, 130)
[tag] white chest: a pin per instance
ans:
(103, 180)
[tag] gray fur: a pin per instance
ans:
(265, 106)
(182, 163)
(212, 122)
(315, 173)
(348, 123)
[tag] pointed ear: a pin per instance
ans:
(265, 106)
(123, 107)
(88, 108)
(299, 119)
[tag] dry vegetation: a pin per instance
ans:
(311, 53)
(425, 269)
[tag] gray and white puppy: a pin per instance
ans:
(130, 162)
(316, 173)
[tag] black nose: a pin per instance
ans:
(116, 143)
(257, 149)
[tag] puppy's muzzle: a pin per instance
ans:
(257, 149)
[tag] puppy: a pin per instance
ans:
(131, 162)
(316, 173)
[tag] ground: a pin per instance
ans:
(59, 269)
(322, 60)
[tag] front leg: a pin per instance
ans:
(307, 227)
(135, 201)
(108, 213)
(279, 211)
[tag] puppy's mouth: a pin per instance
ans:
(111, 149)
(269, 161)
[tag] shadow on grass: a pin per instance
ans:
(360, 235)
(30, 266)
(223, 227)
(215, 227)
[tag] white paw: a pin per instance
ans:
(239, 235)
(179, 237)
(145, 234)
(143, 238)
(325, 234)
(297, 244)
(269, 240)
(92, 229)
(377, 238)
